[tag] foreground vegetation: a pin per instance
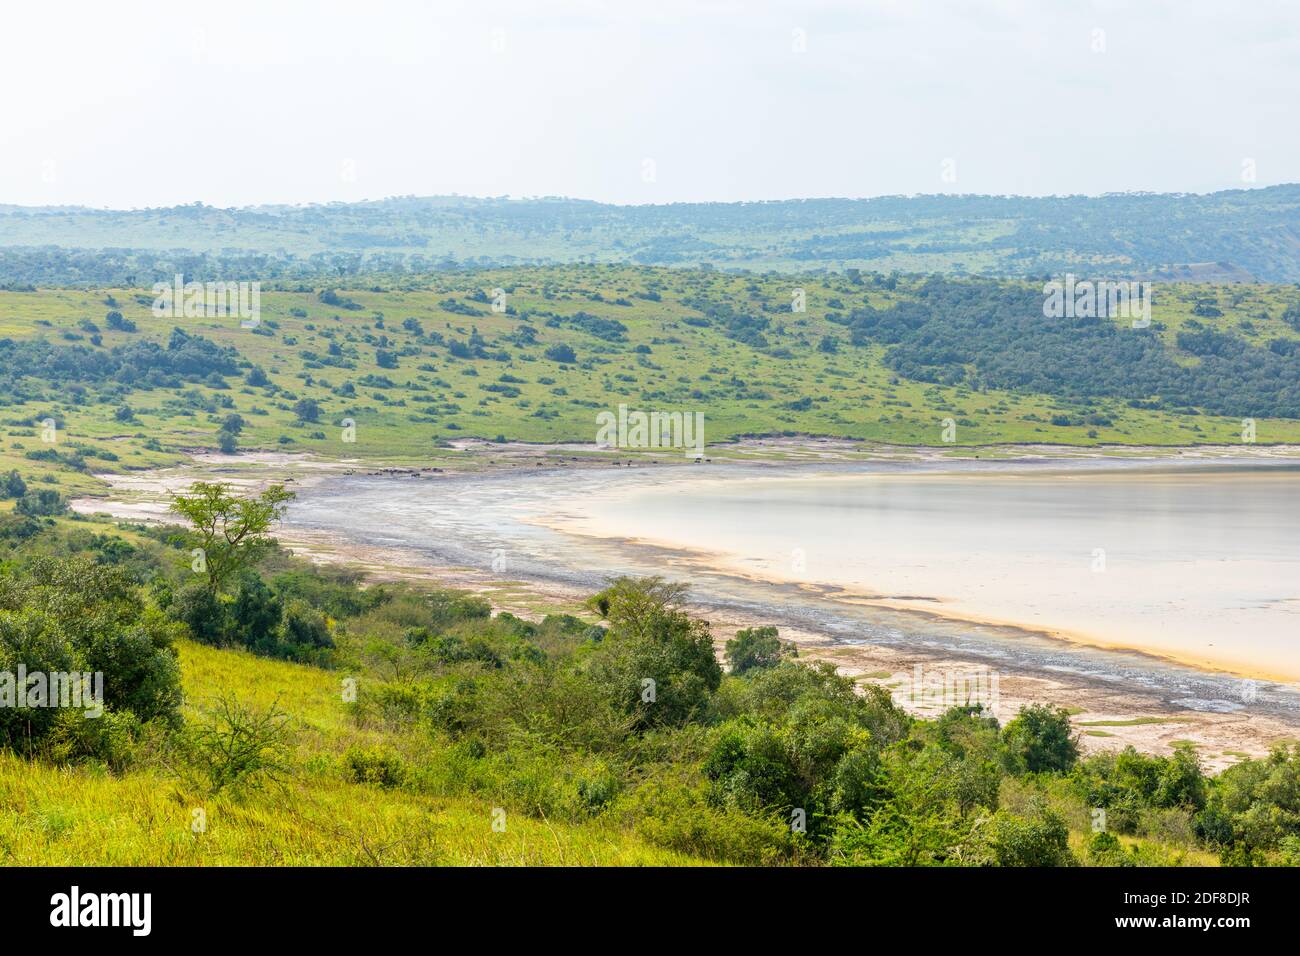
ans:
(271, 712)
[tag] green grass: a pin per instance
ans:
(81, 816)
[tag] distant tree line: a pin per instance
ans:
(988, 334)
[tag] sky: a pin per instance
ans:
(136, 103)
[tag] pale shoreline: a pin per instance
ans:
(1127, 715)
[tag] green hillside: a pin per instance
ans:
(417, 365)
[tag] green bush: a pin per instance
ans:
(916, 819)
(452, 649)
(1038, 839)
(755, 648)
(1254, 809)
(111, 739)
(656, 663)
(72, 615)
(12, 485)
(203, 612)
(377, 765)
(237, 748)
(1040, 739)
(39, 504)
(305, 628)
(256, 615)
(598, 790)
(1104, 849)
(678, 816)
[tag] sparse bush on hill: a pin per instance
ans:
(12, 485)
(238, 748)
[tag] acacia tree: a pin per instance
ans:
(233, 531)
(630, 603)
(657, 663)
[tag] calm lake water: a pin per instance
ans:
(1200, 565)
(1204, 567)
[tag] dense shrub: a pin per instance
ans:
(1039, 839)
(657, 663)
(42, 503)
(756, 647)
(73, 615)
(305, 627)
(256, 614)
(1040, 739)
(202, 611)
(12, 485)
(680, 817)
(377, 765)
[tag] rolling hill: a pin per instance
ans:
(1235, 235)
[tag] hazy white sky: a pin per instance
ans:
(139, 103)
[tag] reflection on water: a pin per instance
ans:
(1197, 565)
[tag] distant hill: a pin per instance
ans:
(1238, 235)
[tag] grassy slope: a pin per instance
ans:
(77, 816)
(81, 815)
(686, 369)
